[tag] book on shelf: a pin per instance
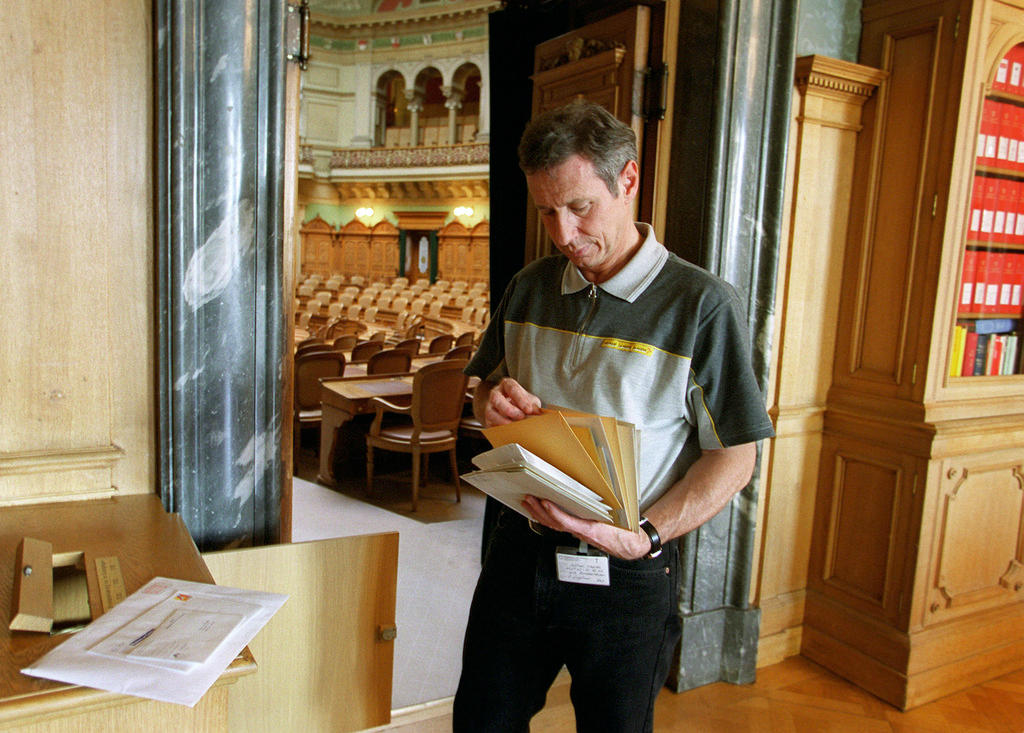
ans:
(980, 355)
(587, 464)
(1009, 354)
(956, 357)
(985, 347)
(970, 353)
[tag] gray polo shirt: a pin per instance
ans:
(660, 345)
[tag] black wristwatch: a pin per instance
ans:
(652, 534)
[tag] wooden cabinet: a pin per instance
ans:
(915, 584)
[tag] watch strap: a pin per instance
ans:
(653, 536)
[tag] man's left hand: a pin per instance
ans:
(621, 543)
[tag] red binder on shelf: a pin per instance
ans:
(977, 206)
(966, 302)
(993, 280)
(980, 280)
(1005, 287)
(1017, 141)
(1002, 80)
(990, 200)
(1016, 80)
(1015, 275)
(1004, 220)
(988, 132)
(1014, 229)
(1007, 131)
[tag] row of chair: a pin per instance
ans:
(361, 351)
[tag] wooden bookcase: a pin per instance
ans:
(916, 576)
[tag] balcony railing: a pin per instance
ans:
(409, 157)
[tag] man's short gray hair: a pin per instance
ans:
(579, 128)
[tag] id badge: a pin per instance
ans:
(578, 566)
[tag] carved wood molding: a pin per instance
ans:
(945, 595)
(834, 75)
(44, 461)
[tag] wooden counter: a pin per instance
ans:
(148, 542)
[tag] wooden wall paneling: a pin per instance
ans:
(354, 240)
(326, 658)
(480, 249)
(385, 253)
(317, 241)
(878, 322)
(980, 495)
(826, 120)
(453, 252)
(78, 367)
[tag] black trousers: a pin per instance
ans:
(617, 641)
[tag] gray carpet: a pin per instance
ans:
(438, 563)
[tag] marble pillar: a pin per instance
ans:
(729, 136)
(220, 132)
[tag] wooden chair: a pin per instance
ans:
(466, 337)
(346, 342)
(411, 345)
(342, 327)
(459, 352)
(378, 336)
(413, 327)
(438, 397)
(312, 345)
(363, 350)
(389, 361)
(310, 368)
(440, 343)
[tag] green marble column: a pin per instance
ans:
(733, 86)
(220, 127)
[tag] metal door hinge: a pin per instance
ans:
(297, 34)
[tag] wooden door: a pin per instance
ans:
(605, 62)
(326, 658)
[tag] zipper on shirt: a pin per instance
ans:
(578, 341)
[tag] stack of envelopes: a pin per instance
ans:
(584, 463)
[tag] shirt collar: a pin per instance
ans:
(632, 279)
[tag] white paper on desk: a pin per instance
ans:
(179, 632)
(177, 681)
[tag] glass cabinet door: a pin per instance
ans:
(988, 325)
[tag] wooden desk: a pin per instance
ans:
(148, 542)
(341, 399)
(358, 368)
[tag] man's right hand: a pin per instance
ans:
(503, 402)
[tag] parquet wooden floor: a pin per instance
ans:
(798, 696)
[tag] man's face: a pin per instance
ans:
(594, 229)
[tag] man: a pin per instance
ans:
(614, 325)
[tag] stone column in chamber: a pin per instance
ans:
(414, 103)
(453, 103)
